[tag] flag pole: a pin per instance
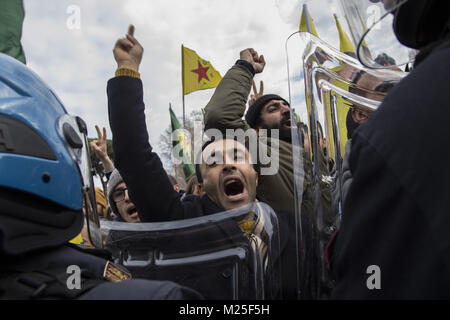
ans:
(175, 170)
(184, 117)
(171, 130)
(182, 85)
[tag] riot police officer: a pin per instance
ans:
(45, 177)
(394, 240)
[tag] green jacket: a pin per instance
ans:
(226, 109)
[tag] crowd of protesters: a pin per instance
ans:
(379, 189)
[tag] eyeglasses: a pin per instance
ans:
(119, 195)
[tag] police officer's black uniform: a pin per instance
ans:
(35, 258)
(396, 214)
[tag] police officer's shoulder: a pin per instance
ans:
(100, 253)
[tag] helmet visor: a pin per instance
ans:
(73, 130)
(371, 27)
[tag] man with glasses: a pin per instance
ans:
(119, 200)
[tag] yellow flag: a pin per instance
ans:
(307, 25)
(345, 45)
(306, 22)
(364, 44)
(342, 107)
(197, 74)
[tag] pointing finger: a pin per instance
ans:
(131, 30)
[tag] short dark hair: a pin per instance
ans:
(215, 139)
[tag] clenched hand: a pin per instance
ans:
(250, 55)
(128, 51)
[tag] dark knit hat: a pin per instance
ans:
(254, 110)
(113, 181)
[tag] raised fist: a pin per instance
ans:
(250, 55)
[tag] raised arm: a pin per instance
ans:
(100, 148)
(227, 105)
(149, 187)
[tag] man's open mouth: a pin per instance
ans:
(233, 188)
(132, 212)
(287, 123)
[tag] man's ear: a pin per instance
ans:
(354, 115)
(199, 187)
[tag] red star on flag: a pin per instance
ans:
(201, 71)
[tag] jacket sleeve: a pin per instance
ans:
(227, 105)
(141, 169)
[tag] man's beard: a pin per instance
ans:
(284, 133)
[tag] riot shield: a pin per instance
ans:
(234, 254)
(79, 149)
(339, 95)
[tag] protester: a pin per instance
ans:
(119, 199)
(372, 88)
(256, 94)
(42, 211)
(394, 231)
(99, 147)
(225, 111)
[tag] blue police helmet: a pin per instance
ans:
(44, 162)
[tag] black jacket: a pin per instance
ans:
(396, 214)
(44, 274)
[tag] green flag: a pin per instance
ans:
(183, 145)
(11, 20)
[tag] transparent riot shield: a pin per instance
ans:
(235, 254)
(331, 94)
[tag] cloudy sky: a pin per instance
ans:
(74, 56)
